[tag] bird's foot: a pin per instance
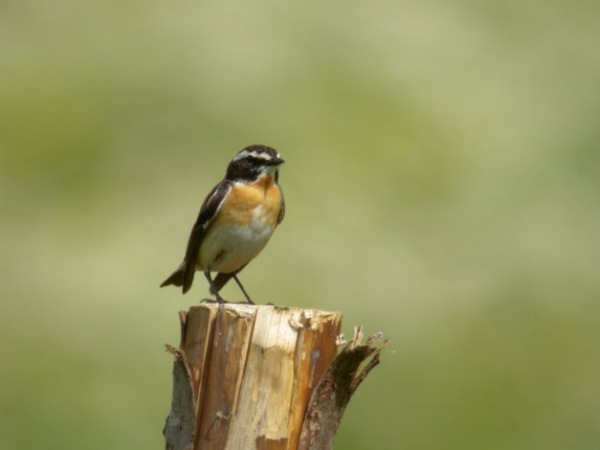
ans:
(219, 300)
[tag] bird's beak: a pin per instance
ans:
(275, 162)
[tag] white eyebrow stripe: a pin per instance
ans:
(244, 153)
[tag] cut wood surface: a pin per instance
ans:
(248, 377)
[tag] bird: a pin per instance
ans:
(235, 222)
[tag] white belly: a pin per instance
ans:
(227, 248)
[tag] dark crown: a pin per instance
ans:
(251, 162)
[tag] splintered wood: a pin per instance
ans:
(244, 377)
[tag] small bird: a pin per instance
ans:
(235, 221)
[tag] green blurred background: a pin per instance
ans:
(441, 181)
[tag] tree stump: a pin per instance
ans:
(262, 377)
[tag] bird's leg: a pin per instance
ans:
(212, 286)
(243, 290)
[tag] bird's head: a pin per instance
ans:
(254, 162)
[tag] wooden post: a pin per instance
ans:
(262, 377)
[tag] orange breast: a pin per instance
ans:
(242, 226)
(260, 201)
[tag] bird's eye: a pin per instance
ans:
(253, 161)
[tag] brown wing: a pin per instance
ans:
(282, 210)
(205, 216)
(184, 275)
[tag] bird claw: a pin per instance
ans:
(219, 300)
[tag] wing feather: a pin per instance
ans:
(282, 209)
(207, 213)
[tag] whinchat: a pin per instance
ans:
(235, 221)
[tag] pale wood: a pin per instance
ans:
(254, 371)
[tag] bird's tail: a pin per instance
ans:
(176, 277)
(220, 280)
